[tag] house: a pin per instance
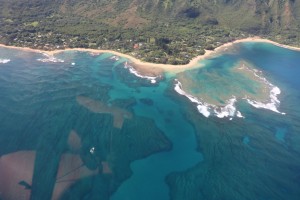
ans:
(136, 46)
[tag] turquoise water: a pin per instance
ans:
(256, 157)
(41, 97)
(163, 146)
(238, 74)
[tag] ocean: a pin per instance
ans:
(88, 126)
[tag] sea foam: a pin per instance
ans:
(203, 108)
(152, 79)
(116, 58)
(50, 59)
(3, 61)
(274, 102)
(227, 111)
(272, 105)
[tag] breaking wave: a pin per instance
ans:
(152, 79)
(3, 61)
(272, 105)
(115, 58)
(274, 102)
(227, 111)
(50, 59)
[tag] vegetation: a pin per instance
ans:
(161, 31)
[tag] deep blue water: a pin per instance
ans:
(39, 108)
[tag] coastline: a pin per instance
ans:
(154, 68)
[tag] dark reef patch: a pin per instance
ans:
(147, 101)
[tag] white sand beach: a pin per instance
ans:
(154, 68)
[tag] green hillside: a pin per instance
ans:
(166, 31)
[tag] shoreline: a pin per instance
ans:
(154, 68)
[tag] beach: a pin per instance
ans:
(163, 137)
(147, 68)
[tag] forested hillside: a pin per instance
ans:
(166, 31)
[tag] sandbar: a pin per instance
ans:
(101, 107)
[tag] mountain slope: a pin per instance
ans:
(118, 24)
(260, 14)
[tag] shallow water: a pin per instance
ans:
(231, 76)
(155, 143)
(252, 158)
(81, 92)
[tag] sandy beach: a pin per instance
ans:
(147, 68)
